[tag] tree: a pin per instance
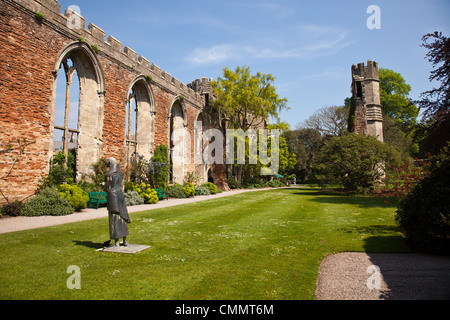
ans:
(394, 135)
(436, 102)
(329, 121)
(306, 145)
(357, 161)
(394, 93)
(244, 101)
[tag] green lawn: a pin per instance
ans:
(256, 245)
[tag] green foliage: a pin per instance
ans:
(274, 184)
(148, 77)
(204, 191)
(306, 145)
(232, 183)
(77, 198)
(176, 191)
(132, 198)
(211, 186)
(12, 209)
(357, 161)
(39, 16)
(351, 104)
(59, 173)
(95, 48)
(154, 172)
(394, 93)
(239, 93)
(95, 182)
(189, 189)
(47, 203)
(424, 214)
(144, 190)
(191, 177)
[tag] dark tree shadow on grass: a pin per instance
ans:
(338, 196)
(380, 238)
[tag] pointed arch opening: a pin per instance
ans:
(178, 142)
(77, 112)
(140, 120)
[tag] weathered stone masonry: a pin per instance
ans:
(366, 94)
(31, 53)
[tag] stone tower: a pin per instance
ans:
(366, 95)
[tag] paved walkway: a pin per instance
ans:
(12, 224)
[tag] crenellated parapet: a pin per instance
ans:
(73, 24)
(368, 117)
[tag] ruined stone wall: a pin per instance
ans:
(30, 53)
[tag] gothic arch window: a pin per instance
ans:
(66, 131)
(140, 120)
(77, 113)
(178, 144)
(200, 127)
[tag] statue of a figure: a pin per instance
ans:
(117, 209)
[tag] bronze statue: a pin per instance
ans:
(117, 209)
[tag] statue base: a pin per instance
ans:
(130, 248)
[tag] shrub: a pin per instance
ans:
(47, 203)
(132, 198)
(400, 180)
(144, 190)
(59, 172)
(424, 214)
(252, 181)
(12, 209)
(211, 186)
(77, 198)
(232, 183)
(176, 191)
(357, 161)
(274, 184)
(189, 190)
(204, 191)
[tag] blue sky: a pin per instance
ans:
(309, 46)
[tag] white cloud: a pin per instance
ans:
(212, 55)
(308, 42)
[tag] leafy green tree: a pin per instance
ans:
(306, 145)
(159, 167)
(246, 100)
(394, 93)
(243, 100)
(357, 161)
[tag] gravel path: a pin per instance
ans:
(383, 276)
